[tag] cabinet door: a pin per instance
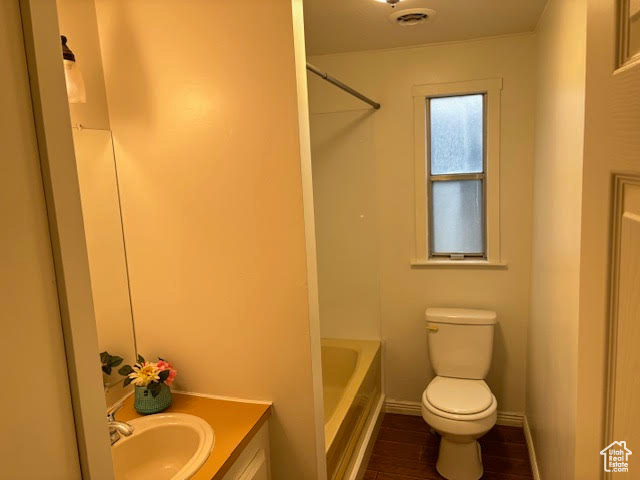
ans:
(258, 468)
(253, 462)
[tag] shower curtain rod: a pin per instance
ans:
(341, 85)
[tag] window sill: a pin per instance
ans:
(458, 264)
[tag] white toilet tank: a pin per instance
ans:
(460, 341)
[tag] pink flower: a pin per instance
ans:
(162, 366)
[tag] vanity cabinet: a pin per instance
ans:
(253, 462)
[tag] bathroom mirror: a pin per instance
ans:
(629, 30)
(98, 180)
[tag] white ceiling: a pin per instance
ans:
(350, 25)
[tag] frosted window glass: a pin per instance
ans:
(456, 134)
(458, 217)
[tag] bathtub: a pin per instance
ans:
(352, 387)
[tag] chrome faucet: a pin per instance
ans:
(116, 428)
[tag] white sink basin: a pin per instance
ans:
(165, 446)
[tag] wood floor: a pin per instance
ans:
(407, 450)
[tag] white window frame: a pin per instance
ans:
(491, 89)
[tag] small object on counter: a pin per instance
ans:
(152, 381)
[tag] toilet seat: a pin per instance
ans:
(459, 399)
(460, 396)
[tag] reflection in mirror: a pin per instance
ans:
(98, 179)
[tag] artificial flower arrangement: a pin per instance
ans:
(151, 375)
(152, 381)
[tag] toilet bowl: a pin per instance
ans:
(457, 403)
(461, 411)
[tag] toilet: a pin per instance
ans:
(457, 403)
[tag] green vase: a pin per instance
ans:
(146, 404)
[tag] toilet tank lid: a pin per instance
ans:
(461, 316)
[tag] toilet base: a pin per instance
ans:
(459, 461)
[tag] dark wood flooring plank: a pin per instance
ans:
(513, 466)
(502, 476)
(504, 449)
(405, 422)
(407, 436)
(393, 476)
(401, 466)
(370, 475)
(409, 451)
(429, 454)
(501, 433)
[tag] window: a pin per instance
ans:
(457, 170)
(455, 176)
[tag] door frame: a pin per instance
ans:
(68, 243)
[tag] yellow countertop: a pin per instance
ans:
(234, 424)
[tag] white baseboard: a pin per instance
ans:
(532, 451)
(370, 433)
(511, 419)
(403, 408)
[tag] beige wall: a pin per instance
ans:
(36, 416)
(77, 20)
(387, 76)
(205, 120)
(553, 325)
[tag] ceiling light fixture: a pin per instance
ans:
(72, 75)
(393, 3)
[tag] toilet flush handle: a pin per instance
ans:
(432, 328)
